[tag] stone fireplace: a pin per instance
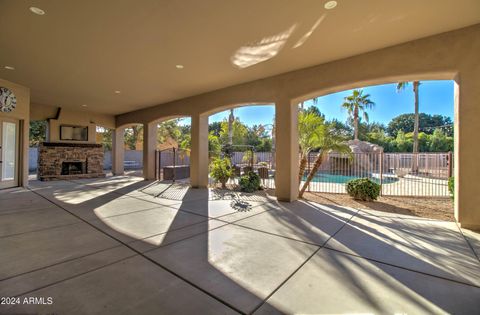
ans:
(58, 160)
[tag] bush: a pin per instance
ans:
(363, 189)
(451, 186)
(250, 182)
(221, 170)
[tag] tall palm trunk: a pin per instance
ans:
(303, 165)
(316, 165)
(415, 129)
(355, 122)
(231, 118)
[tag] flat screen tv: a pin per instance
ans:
(74, 133)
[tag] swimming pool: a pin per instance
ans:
(343, 179)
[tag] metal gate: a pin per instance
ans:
(172, 164)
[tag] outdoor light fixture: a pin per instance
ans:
(9, 68)
(330, 5)
(117, 92)
(179, 66)
(84, 105)
(37, 11)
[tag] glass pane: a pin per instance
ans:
(9, 135)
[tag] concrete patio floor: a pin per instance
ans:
(110, 246)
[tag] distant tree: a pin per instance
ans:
(238, 130)
(169, 130)
(132, 136)
(215, 127)
(356, 103)
(439, 142)
(266, 145)
(38, 132)
(258, 137)
(368, 128)
(106, 135)
(403, 143)
(340, 128)
(314, 110)
(380, 137)
(301, 106)
(428, 124)
(185, 142)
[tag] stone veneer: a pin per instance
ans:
(51, 155)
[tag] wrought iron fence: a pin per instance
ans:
(399, 174)
(172, 164)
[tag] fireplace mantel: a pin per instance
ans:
(53, 156)
(71, 145)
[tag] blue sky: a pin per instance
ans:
(436, 97)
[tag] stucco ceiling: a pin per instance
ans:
(80, 52)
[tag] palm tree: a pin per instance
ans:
(327, 141)
(231, 119)
(356, 103)
(400, 87)
(308, 130)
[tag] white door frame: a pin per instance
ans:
(11, 182)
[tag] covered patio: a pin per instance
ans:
(108, 246)
(88, 242)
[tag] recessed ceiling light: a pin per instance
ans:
(9, 68)
(84, 105)
(117, 92)
(37, 11)
(330, 5)
(179, 66)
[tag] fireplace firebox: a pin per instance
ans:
(74, 168)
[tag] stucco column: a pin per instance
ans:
(118, 151)
(149, 146)
(199, 151)
(467, 150)
(286, 151)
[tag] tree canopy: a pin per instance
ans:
(427, 124)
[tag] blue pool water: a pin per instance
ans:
(343, 179)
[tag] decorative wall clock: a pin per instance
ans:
(8, 101)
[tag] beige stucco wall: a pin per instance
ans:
(21, 113)
(70, 117)
(452, 55)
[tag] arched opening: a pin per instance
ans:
(104, 136)
(398, 135)
(242, 138)
(172, 155)
(133, 150)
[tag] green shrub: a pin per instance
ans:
(221, 170)
(451, 186)
(250, 182)
(363, 189)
